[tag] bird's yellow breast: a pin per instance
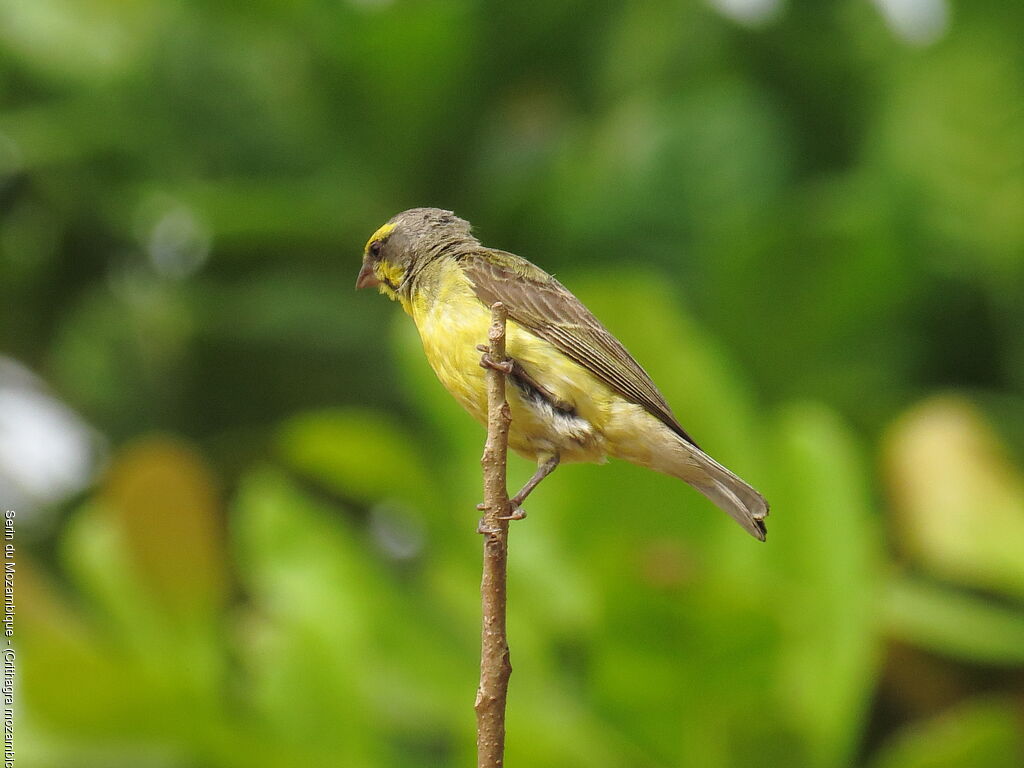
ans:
(452, 321)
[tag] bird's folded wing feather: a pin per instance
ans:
(539, 303)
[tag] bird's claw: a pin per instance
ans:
(517, 513)
(485, 529)
(486, 361)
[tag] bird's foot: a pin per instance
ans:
(517, 513)
(486, 361)
(487, 530)
(482, 527)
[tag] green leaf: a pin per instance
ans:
(360, 664)
(825, 548)
(957, 498)
(953, 623)
(361, 454)
(977, 734)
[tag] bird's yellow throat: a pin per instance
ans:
(386, 273)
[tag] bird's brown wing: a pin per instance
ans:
(541, 304)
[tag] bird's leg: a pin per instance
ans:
(544, 469)
(512, 368)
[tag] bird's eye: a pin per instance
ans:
(375, 247)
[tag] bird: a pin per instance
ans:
(577, 395)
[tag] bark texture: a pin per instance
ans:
(495, 666)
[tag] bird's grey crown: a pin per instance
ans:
(422, 233)
(424, 220)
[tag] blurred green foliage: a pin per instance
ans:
(809, 227)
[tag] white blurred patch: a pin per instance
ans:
(178, 244)
(748, 12)
(46, 451)
(398, 533)
(920, 22)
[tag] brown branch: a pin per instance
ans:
(495, 667)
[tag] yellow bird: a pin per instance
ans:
(578, 395)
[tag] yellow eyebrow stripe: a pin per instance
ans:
(380, 234)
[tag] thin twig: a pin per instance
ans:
(495, 667)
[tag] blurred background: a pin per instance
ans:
(245, 507)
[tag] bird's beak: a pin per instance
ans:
(366, 277)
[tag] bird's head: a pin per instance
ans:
(399, 249)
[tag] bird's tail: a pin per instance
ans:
(746, 506)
